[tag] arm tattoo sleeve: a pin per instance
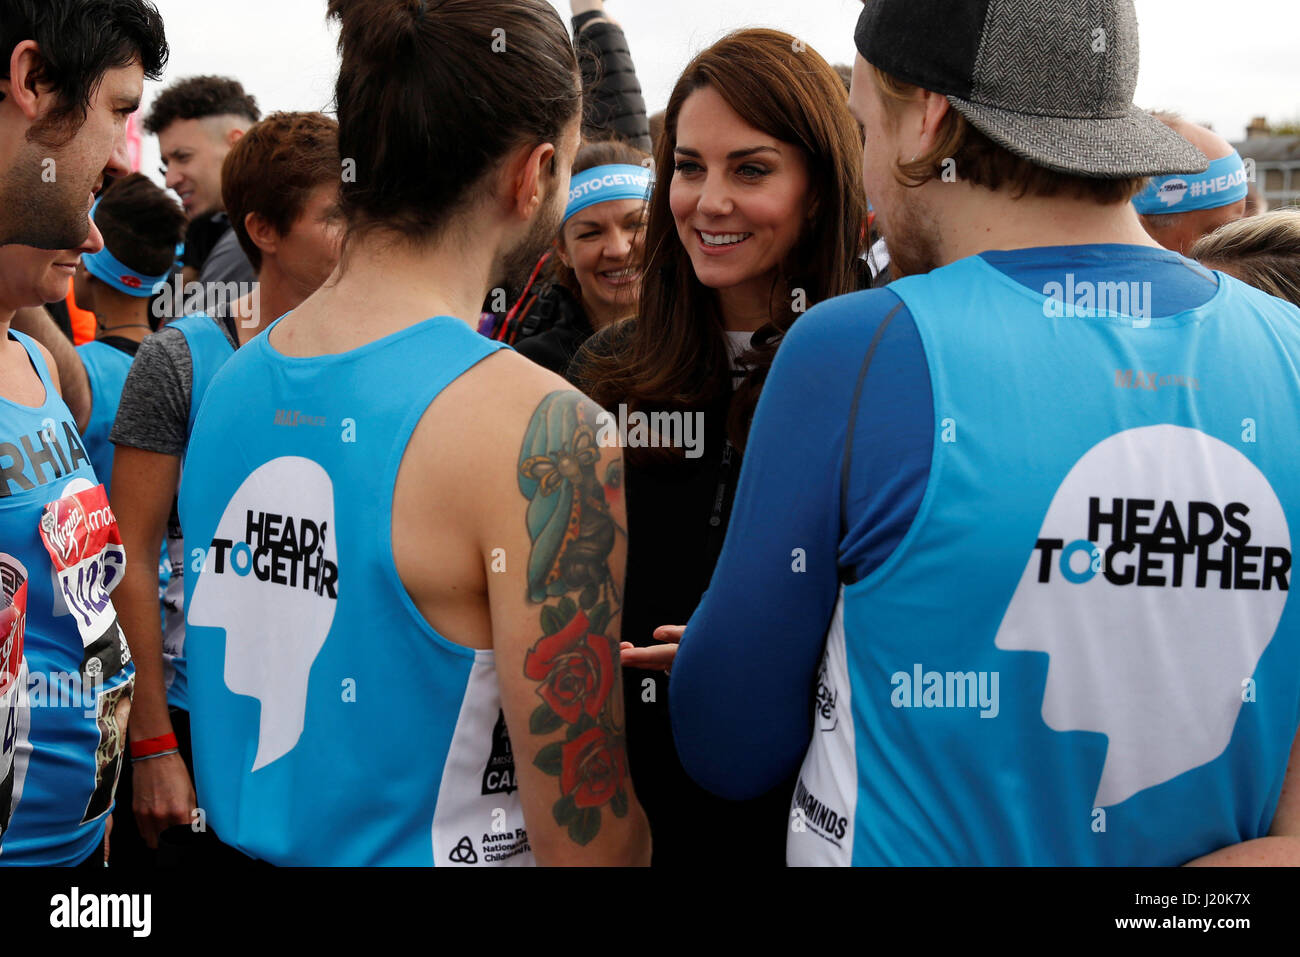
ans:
(572, 535)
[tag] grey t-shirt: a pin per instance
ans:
(227, 262)
(154, 413)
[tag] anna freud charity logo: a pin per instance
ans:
(1157, 580)
(271, 580)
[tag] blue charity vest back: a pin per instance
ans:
(331, 725)
(66, 675)
(1082, 652)
(209, 350)
(106, 367)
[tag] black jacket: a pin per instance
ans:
(565, 327)
(613, 101)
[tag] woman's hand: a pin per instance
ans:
(658, 658)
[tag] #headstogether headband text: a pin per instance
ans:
(605, 184)
(1223, 184)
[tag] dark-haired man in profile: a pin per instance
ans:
(63, 131)
(404, 618)
(197, 120)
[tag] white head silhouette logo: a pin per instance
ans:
(1138, 651)
(270, 580)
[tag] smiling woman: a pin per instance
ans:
(596, 264)
(757, 215)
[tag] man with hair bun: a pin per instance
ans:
(403, 632)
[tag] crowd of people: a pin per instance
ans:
(492, 473)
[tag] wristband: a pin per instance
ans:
(152, 747)
(160, 754)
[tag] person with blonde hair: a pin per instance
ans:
(1263, 251)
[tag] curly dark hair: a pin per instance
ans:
(80, 41)
(197, 97)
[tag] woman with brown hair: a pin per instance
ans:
(757, 215)
(595, 266)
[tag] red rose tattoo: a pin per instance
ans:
(577, 669)
(593, 768)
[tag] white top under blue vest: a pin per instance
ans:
(54, 793)
(1075, 647)
(331, 724)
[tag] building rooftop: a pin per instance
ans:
(1270, 149)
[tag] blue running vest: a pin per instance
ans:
(66, 675)
(106, 368)
(1082, 652)
(209, 350)
(331, 725)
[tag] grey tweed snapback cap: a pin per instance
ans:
(1050, 80)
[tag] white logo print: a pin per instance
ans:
(1172, 192)
(271, 581)
(1158, 579)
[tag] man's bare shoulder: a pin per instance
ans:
(497, 399)
(485, 416)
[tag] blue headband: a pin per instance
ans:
(1223, 184)
(109, 270)
(605, 184)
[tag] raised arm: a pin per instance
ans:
(610, 86)
(556, 619)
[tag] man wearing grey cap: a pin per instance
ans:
(1028, 603)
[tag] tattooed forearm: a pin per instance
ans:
(576, 660)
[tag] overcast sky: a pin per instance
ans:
(1216, 63)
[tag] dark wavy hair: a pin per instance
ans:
(675, 354)
(198, 97)
(80, 41)
(433, 94)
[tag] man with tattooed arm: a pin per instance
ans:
(424, 604)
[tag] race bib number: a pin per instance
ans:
(13, 621)
(81, 535)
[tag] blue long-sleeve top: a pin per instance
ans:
(834, 472)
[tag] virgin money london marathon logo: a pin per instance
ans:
(1156, 582)
(270, 579)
